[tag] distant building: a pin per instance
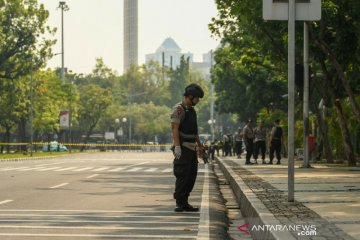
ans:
(205, 65)
(130, 33)
(169, 54)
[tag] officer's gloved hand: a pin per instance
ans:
(177, 152)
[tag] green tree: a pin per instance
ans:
(178, 80)
(93, 102)
(22, 47)
(334, 48)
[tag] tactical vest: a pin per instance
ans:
(188, 125)
(278, 133)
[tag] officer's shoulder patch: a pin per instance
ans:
(179, 110)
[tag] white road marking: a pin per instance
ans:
(92, 176)
(151, 170)
(87, 221)
(64, 169)
(88, 211)
(204, 223)
(51, 168)
(134, 169)
(99, 236)
(26, 169)
(42, 165)
(101, 228)
(34, 168)
(122, 168)
(96, 216)
(60, 185)
(167, 170)
(6, 201)
(82, 169)
(12, 168)
(117, 169)
(100, 169)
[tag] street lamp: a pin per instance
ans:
(212, 122)
(124, 120)
(63, 7)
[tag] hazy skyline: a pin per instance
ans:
(94, 28)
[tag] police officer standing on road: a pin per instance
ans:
(186, 141)
(260, 145)
(275, 142)
(238, 142)
(248, 136)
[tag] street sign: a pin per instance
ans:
(306, 10)
(109, 135)
(64, 119)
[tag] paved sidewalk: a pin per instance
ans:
(326, 198)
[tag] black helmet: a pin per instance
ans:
(194, 90)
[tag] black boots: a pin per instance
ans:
(185, 207)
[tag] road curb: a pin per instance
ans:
(251, 206)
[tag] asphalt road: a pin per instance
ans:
(104, 195)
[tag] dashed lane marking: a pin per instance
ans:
(151, 170)
(46, 169)
(134, 169)
(60, 185)
(100, 169)
(64, 169)
(167, 170)
(117, 169)
(6, 201)
(92, 176)
(82, 169)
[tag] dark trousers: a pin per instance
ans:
(227, 149)
(185, 171)
(260, 145)
(238, 146)
(249, 149)
(275, 147)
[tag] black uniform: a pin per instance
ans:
(276, 144)
(185, 168)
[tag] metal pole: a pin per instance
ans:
(291, 99)
(211, 100)
(62, 45)
(306, 163)
(70, 118)
(130, 130)
(63, 7)
(31, 110)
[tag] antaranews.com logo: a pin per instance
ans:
(301, 230)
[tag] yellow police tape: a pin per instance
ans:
(89, 144)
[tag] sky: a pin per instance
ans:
(94, 28)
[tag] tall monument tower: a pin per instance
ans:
(130, 33)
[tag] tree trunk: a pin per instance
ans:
(7, 138)
(22, 134)
(349, 151)
(325, 137)
(87, 137)
(327, 51)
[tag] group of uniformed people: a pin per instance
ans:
(255, 141)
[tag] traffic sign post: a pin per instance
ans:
(306, 10)
(291, 10)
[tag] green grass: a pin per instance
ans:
(35, 154)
